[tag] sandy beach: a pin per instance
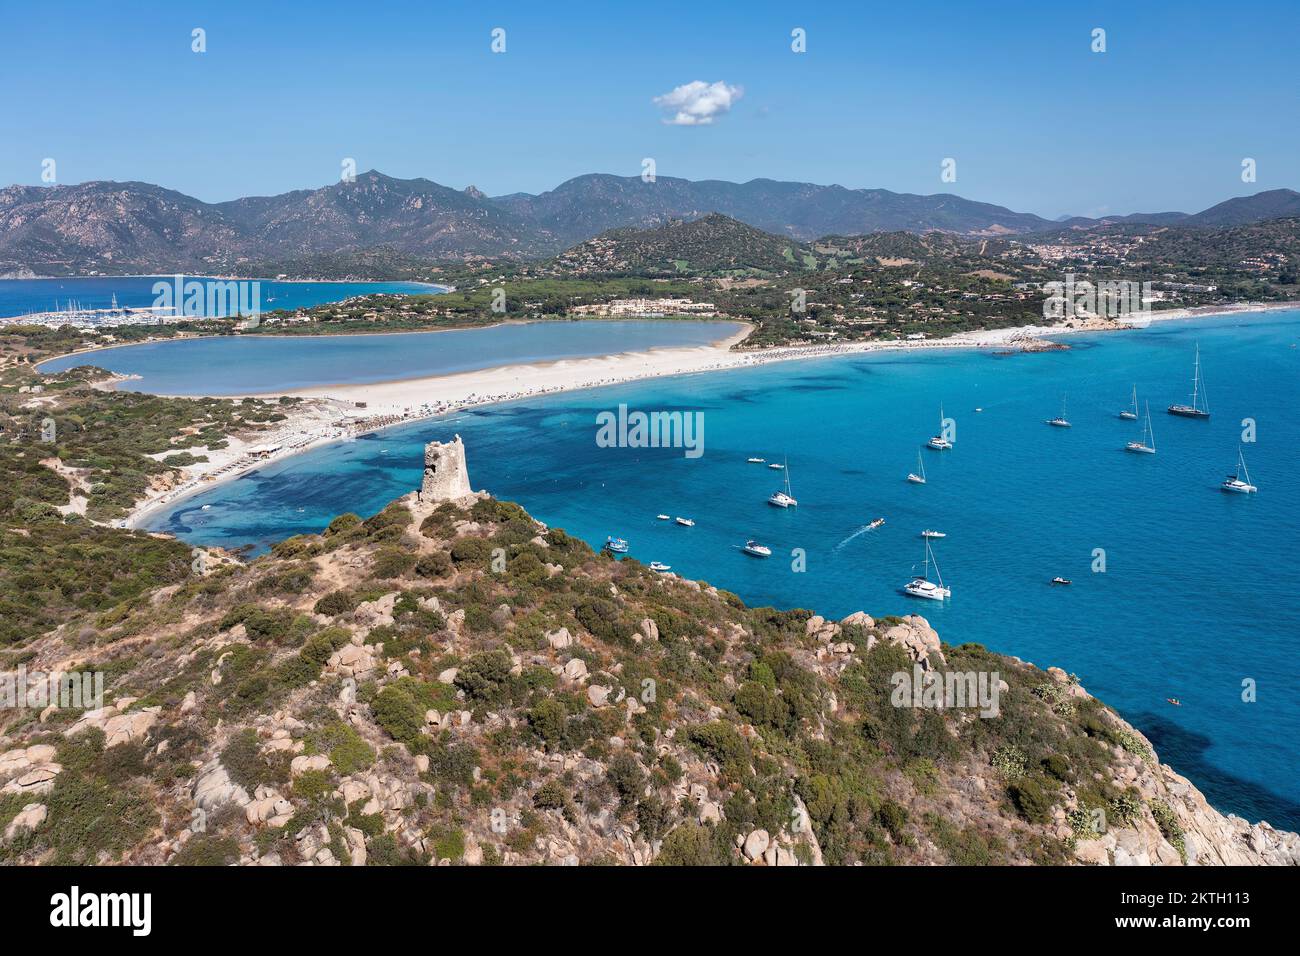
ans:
(335, 412)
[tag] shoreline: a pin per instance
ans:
(334, 413)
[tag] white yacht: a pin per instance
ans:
(1200, 407)
(1147, 446)
(927, 533)
(783, 498)
(663, 517)
(1235, 482)
(686, 522)
(938, 442)
(757, 550)
(1131, 414)
(660, 566)
(873, 525)
(776, 466)
(756, 461)
(1060, 421)
(922, 587)
(917, 477)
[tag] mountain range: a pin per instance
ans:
(131, 226)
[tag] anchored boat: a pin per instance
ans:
(1200, 407)
(922, 587)
(783, 499)
(1131, 414)
(938, 442)
(917, 477)
(1060, 421)
(1147, 446)
(1235, 482)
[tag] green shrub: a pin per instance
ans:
(341, 525)
(548, 719)
(1167, 821)
(397, 712)
(347, 751)
(467, 550)
(336, 603)
(485, 677)
(89, 818)
(207, 850)
(689, 845)
(392, 563)
(1031, 801)
(721, 742)
(1009, 761)
(436, 564)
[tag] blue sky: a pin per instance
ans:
(1012, 91)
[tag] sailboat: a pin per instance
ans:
(783, 499)
(1060, 421)
(1235, 482)
(1147, 446)
(917, 477)
(922, 586)
(1194, 410)
(1131, 414)
(938, 442)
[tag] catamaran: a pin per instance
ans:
(1060, 421)
(917, 477)
(938, 442)
(1235, 482)
(922, 587)
(783, 499)
(1194, 410)
(757, 550)
(1147, 446)
(1131, 414)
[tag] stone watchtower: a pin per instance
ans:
(445, 477)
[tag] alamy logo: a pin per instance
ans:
(1121, 299)
(651, 430)
(952, 690)
(76, 690)
(208, 298)
(103, 909)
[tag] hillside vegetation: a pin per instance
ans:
(456, 683)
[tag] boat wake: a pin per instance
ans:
(861, 531)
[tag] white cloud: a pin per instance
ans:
(698, 103)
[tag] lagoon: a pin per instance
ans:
(263, 363)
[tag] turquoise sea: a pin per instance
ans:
(1199, 591)
(22, 296)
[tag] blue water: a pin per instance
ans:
(21, 296)
(244, 365)
(1200, 587)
